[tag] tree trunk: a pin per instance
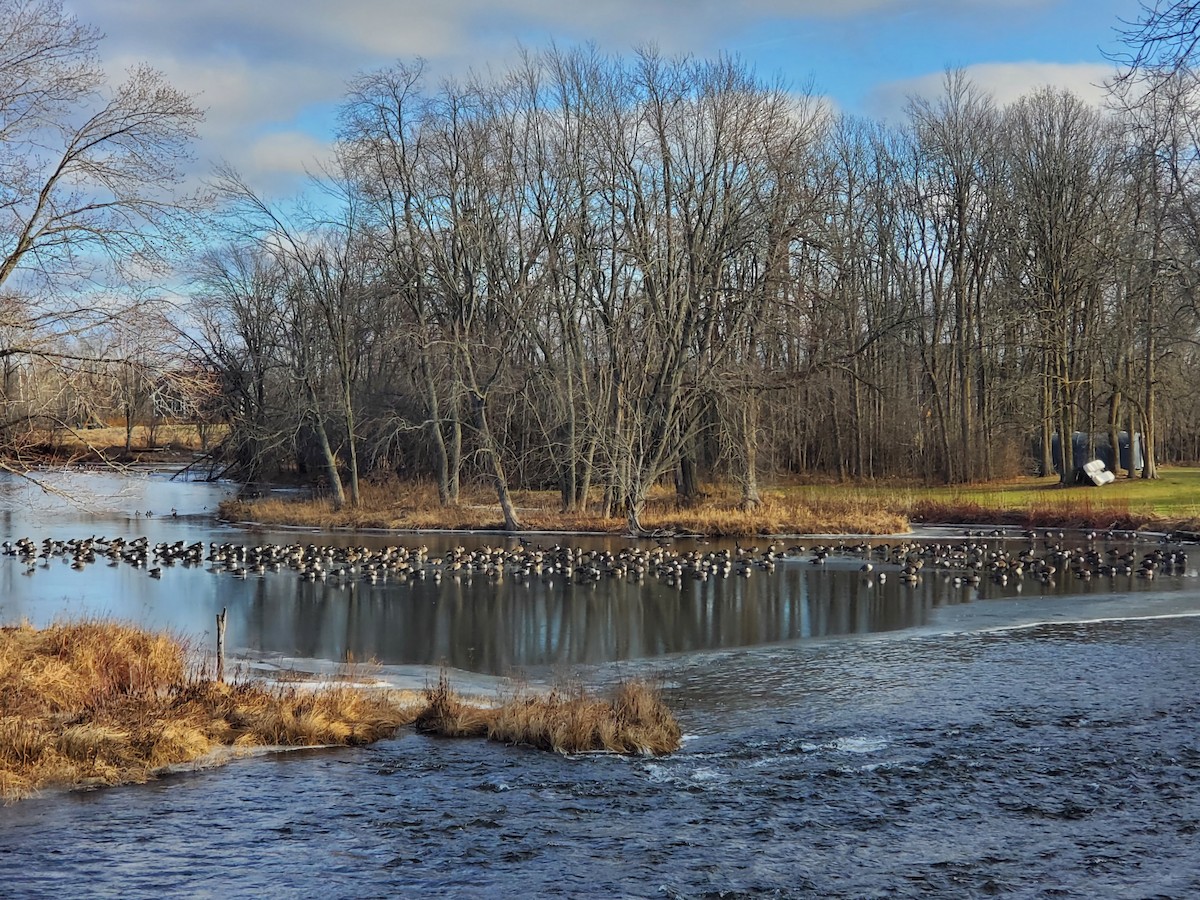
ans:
(1066, 435)
(570, 468)
(454, 454)
(836, 429)
(686, 484)
(633, 515)
(1135, 442)
(584, 484)
(1048, 466)
(1149, 426)
(328, 458)
(1114, 429)
(441, 459)
(352, 448)
(750, 496)
(499, 478)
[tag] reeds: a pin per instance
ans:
(99, 703)
(634, 721)
(446, 713)
(1076, 513)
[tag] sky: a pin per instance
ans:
(271, 73)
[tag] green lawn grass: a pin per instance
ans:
(1173, 499)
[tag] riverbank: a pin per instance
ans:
(1169, 503)
(161, 445)
(404, 506)
(97, 703)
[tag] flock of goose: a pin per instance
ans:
(1043, 557)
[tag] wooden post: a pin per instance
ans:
(221, 646)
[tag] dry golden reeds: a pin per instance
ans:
(634, 721)
(103, 703)
(445, 713)
(1074, 513)
(98, 703)
(808, 507)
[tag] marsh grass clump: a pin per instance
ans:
(634, 721)
(97, 703)
(447, 714)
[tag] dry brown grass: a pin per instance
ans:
(1079, 514)
(414, 506)
(447, 714)
(720, 513)
(89, 446)
(142, 438)
(634, 721)
(98, 703)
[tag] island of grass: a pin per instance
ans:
(1168, 503)
(99, 703)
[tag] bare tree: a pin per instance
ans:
(384, 137)
(957, 153)
(1162, 41)
(87, 174)
(238, 308)
(90, 181)
(1063, 164)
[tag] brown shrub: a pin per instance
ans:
(634, 721)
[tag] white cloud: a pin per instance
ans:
(259, 65)
(286, 153)
(1006, 82)
(238, 92)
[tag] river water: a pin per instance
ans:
(843, 737)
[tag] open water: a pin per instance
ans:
(842, 739)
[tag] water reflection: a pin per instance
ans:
(496, 626)
(481, 623)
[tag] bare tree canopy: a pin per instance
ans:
(605, 275)
(90, 174)
(1163, 39)
(92, 212)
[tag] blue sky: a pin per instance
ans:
(271, 72)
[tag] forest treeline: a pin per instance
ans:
(592, 273)
(595, 273)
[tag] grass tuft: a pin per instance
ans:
(634, 721)
(447, 714)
